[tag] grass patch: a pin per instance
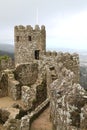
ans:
(5, 57)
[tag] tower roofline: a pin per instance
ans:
(29, 27)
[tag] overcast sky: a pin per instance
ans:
(65, 20)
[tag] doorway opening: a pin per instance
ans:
(37, 54)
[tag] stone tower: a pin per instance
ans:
(29, 43)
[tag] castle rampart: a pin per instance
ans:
(70, 61)
(68, 103)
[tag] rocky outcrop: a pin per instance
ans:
(26, 74)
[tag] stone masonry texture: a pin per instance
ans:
(27, 42)
(68, 103)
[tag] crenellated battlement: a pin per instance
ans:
(61, 56)
(70, 61)
(29, 28)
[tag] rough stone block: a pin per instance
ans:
(27, 74)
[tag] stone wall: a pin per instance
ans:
(27, 42)
(14, 89)
(12, 124)
(28, 96)
(70, 61)
(6, 63)
(27, 120)
(34, 95)
(3, 85)
(68, 103)
(11, 87)
(51, 64)
(41, 93)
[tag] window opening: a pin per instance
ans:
(17, 38)
(29, 38)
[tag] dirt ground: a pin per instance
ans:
(6, 103)
(42, 122)
(1, 127)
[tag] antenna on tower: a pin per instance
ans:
(37, 16)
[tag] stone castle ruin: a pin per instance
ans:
(40, 78)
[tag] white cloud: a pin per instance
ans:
(70, 31)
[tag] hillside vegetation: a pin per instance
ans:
(83, 76)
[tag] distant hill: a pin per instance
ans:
(83, 76)
(7, 53)
(7, 49)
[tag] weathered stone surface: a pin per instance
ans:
(41, 93)
(83, 115)
(12, 124)
(34, 95)
(3, 85)
(14, 89)
(71, 62)
(27, 74)
(13, 86)
(28, 95)
(4, 115)
(27, 120)
(68, 103)
(27, 42)
(25, 123)
(6, 64)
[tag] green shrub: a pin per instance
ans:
(5, 57)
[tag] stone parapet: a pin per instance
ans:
(27, 96)
(68, 103)
(29, 28)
